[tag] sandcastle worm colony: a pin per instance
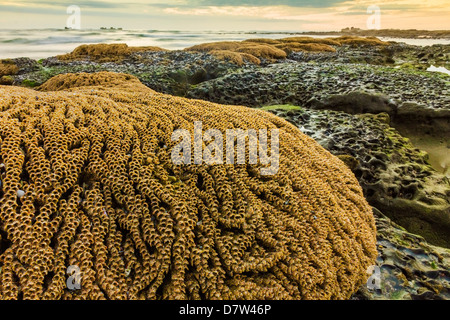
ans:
(87, 181)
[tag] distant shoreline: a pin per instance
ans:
(43, 43)
(391, 33)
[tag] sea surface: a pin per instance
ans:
(44, 43)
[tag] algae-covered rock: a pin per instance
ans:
(349, 161)
(172, 72)
(6, 80)
(355, 102)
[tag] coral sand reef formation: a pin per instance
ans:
(253, 50)
(87, 181)
(238, 52)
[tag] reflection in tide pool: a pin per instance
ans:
(439, 69)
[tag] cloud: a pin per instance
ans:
(262, 3)
(65, 3)
(284, 14)
(29, 9)
(186, 4)
(277, 13)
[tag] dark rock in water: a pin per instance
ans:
(422, 118)
(355, 102)
(409, 267)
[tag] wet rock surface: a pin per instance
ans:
(297, 79)
(409, 268)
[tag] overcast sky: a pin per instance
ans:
(239, 15)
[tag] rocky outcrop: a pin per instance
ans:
(355, 102)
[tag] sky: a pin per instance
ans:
(227, 15)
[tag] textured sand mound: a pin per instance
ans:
(104, 52)
(8, 67)
(87, 181)
(252, 50)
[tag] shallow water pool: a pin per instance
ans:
(439, 69)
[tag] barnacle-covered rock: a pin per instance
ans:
(102, 52)
(7, 68)
(101, 194)
(252, 50)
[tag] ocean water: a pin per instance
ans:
(45, 43)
